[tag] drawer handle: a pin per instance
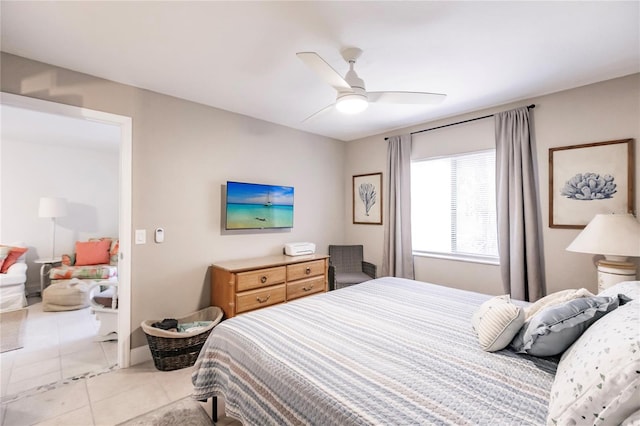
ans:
(264, 299)
(263, 279)
(307, 271)
(308, 288)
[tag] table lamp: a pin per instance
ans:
(616, 236)
(53, 208)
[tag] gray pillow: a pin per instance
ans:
(552, 330)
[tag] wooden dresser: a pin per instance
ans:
(243, 285)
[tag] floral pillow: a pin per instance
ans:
(630, 289)
(68, 259)
(113, 252)
(598, 377)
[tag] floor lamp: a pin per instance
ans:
(53, 208)
(616, 236)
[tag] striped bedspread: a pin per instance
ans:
(386, 352)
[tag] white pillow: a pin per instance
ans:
(555, 299)
(631, 289)
(496, 322)
(632, 420)
(598, 377)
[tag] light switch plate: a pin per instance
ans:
(141, 236)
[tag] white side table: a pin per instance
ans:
(47, 264)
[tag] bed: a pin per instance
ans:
(388, 351)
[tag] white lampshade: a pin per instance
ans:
(52, 207)
(616, 236)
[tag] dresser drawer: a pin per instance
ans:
(305, 270)
(305, 287)
(260, 278)
(244, 285)
(254, 299)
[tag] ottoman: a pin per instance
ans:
(66, 295)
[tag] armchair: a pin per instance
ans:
(13, 276)
(347, 267)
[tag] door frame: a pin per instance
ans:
(125, 191)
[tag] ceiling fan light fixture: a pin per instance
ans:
(353, 97)
(352, 103)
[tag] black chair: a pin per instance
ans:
(346, 267)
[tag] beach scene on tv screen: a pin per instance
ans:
(255, 206)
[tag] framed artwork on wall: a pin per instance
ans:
(367, 199)
(588, 179)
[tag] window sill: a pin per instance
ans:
(459, 258)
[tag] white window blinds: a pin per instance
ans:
(453, 205)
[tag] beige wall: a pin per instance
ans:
(604, 111)
(183, 153)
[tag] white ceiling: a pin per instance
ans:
(24, 125)
(240, 56)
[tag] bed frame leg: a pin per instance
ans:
(214, 408)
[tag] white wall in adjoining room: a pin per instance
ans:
(599, 112)
(83, 175)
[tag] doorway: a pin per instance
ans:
(124, 194)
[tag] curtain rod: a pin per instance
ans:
(460, 122)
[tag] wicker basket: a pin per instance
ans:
(172, 350)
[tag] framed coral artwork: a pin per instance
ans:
(367, 199)
(588, 179)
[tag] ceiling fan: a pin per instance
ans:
(352, 96)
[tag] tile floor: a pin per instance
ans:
(103, 399)
(63, 377)
(57, 345)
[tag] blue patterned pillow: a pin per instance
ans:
(552, 330)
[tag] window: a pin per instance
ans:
(453, 206)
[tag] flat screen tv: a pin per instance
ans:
(257, 206)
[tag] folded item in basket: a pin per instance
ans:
(191, 327)
(166, 324)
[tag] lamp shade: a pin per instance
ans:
(52, 207)
(609, 235)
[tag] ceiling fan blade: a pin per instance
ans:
(324, 70)
(412, 98)
(317, 113)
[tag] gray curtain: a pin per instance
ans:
(517, 209)
(397, 256)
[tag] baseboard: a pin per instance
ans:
(140, 354)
